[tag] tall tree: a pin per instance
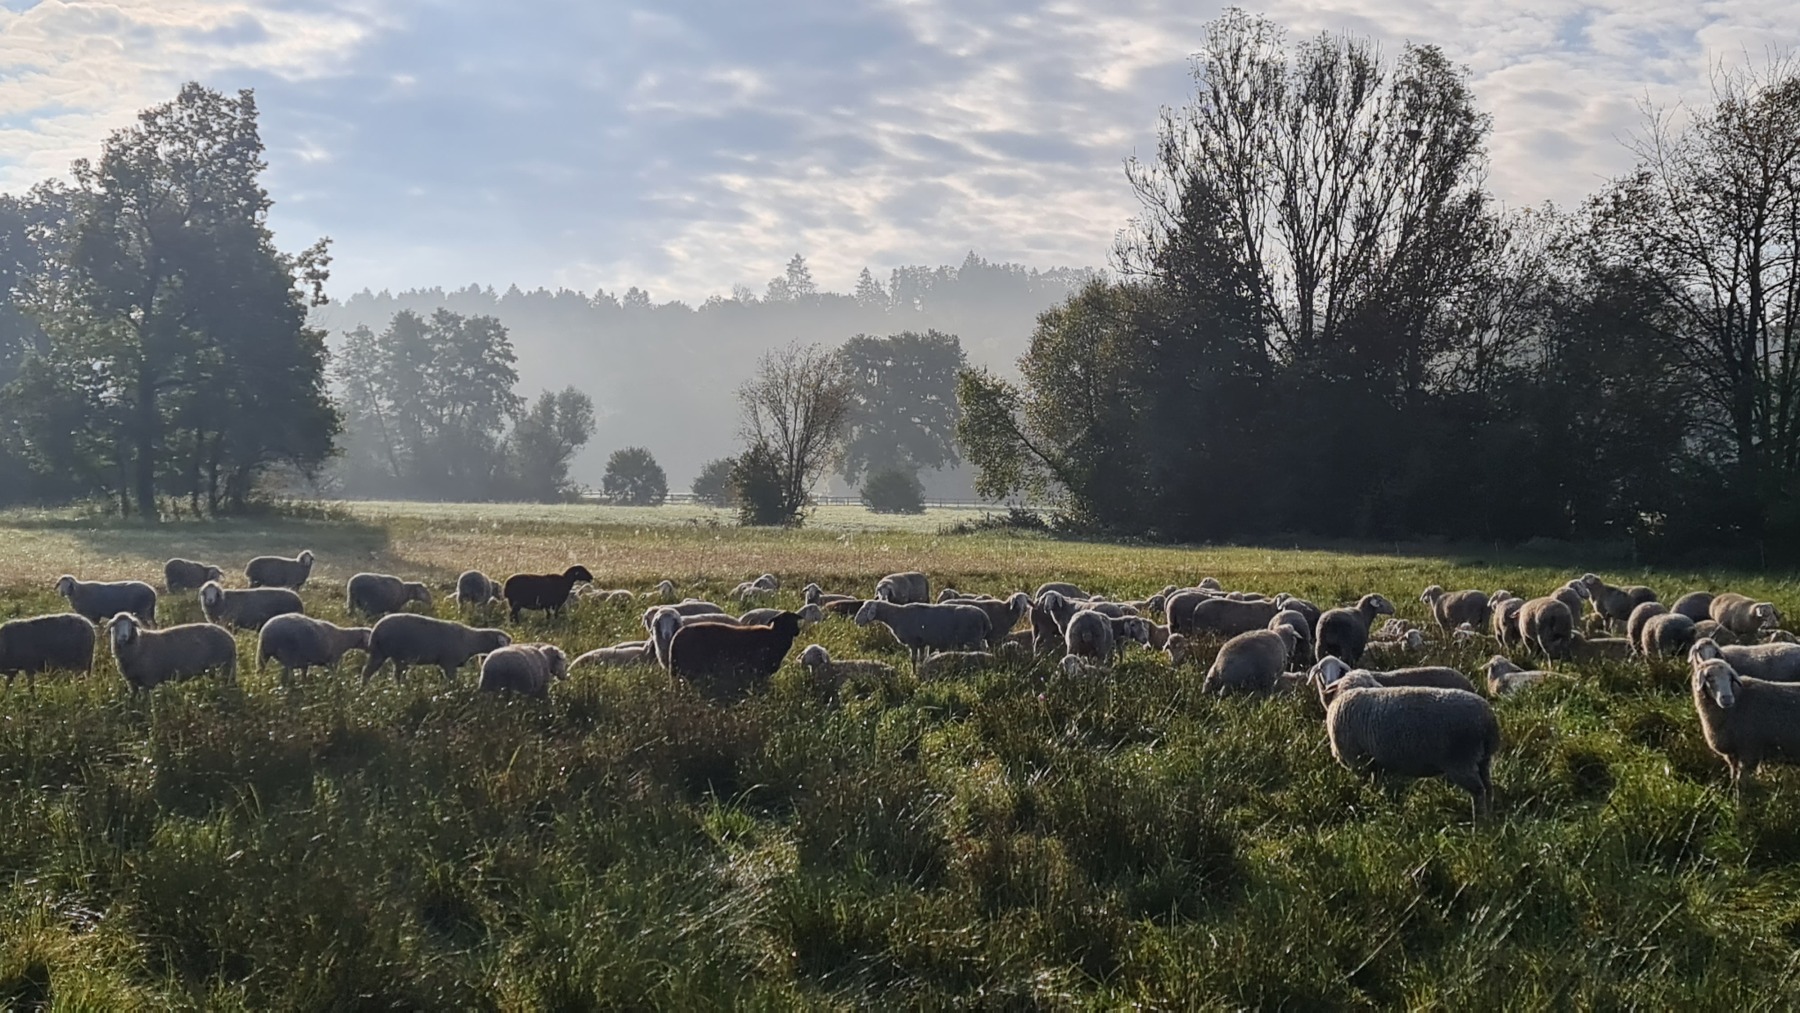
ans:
(795, 407)
(903, 412)
(545, 439)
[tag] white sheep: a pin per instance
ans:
(1746, 721)
(148, 658)
(1415, 731)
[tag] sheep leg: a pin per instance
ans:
(371, 666)
(449, 672)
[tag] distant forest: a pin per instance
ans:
(663, 376)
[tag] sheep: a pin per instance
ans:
(278, 571)
(1076, 667)
(98, 601)
(1296, 621)
(844, 607)
(831, 674)
(1331, 671)
(1063, 588)
(246, 608)
(377, 594)
(62, 641)
(1571, 595)
(409, 639)
(1250, 662)
(1614, 604)
(1391, 629)
(1505, 678)
(1046, 633)
(922, 627)
(1060, 608)
(1412, 642)
(526, 669)
(1744, 616)
(619, 596)
(148, 658)
(813, 594)
(1344, 632)
(1768, 662)
(664, 590)
(1746, 721)
(692, 607)
(1089, 634)
(1780, 637)
(187, 575)
(1634, 624)
(636, 652)
(1710, 628)
(940, 664)
(1003, 614)
(1505, 618)
(1179, 649)
(476, 589)
(663, 622)
(750, 590)
(1223, 617)
(1129, 630)
(1668, 634)
(1590, 648)
(1305, 608)
(543, 592)
(810, 615)
(1465, 633)
(1453, 608)
(1696, 605)
(726, 661)
(1415, 731)
(1548, 624)
(910, 588)
(300, 642)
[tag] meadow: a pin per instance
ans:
(1016, 840)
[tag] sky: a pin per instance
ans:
(687, 145)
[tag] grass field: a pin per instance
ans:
(1014, 840)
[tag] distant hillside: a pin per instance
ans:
(664, 376)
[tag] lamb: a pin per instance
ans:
(909, 588)
(1330, 672)
(1614, 604)
(543, 592)
(636, 652)
(1696, 605)
(63, 641)
(300, 642)
(1634, 624)
(828, 673)
(1344, 632)
(1089, 634)
(1453, 608)
(98, 601)
(941, 664)
(1411, 642)
(187, 575)
(923, 627)
(1768, 662)
(246, 609)
(1744, 616)
(1746, 721)
(377, 594)
(1251, 662)
(1548, 625)
(1415, 731)
(148, 658)
(1505, 619)
(408, 639)
(526, 669)
(474, 588)
(1224, 617)
(1505, 678)
(278, 571)
(1669, 634)
(726, 661)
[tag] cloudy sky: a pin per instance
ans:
(687, 145)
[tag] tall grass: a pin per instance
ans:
(1013, 839)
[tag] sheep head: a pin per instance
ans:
(1718, 680)
(815, 656)
(579, 573)
(868, 613)
(65, 585)
(1432, 594)
(1703, 650)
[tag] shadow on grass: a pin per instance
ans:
(342, 542)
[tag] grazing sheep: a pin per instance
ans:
(300, 642)
(1063, 588)
(1453, 608)
(377, 594)
(1571, 595)
(1614, 604)
(1696, 605)
(187, 575)
(1179, 649)
(1344, 632)
(408, 639)
(1415, 731)
(1505, 678)
(749, 591)
(845, 607)
(830, 674)
(1330, 672)
(1224, 617)
(1666, 635)
(636, 652)
(664, 590)
(148, 658)
(1548, 625)
(246, 609)
(476, 589)
(1744, 616)
(1465, 633)
(1003, 614)
(526, 669)
(1710, 628)
(98, 601)
(1089, 634)
(910, 588)
(923, 627)
(813, 594)
(279, 571)
(1746, 721)
(1059, 608)
(1251, 662)
(1306, 608)
(727, 661)
(1391, 629)
(63, 641)
(1295, 620)
(1505, 618)
(1768, 662)
(1130, 630)
(543, 592)
(1046, 635)
(1634, 624)
(941, 664)
(1411, 642)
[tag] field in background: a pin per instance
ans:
(1013, 839)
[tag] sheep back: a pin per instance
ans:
(98, 601)
(187, 575)
(526, 669)
(60, 642)
(727, 661)
(279, 571)
(1250, 662)
(408, 639)
(247, 609)
(1417, 731)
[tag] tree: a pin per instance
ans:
(869, 292)
(903, 412)
(759, 488)
(544, 440)
(634, 478)
(894, 491)
(794, 409)
(713, 486)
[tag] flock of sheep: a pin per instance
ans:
(1409, 721)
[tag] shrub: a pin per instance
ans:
(894, 491)
(714, 486)
(633, 477)
(757, 479)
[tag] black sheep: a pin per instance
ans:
(726, 661)
(547, 592)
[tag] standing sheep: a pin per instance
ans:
(727, 661)
(98, 601)
(278, 571)
(543, 592)
(149, 658)
(909, 588)
(1224, 617)
(923, 627)
(246, 609)
(1614, 604)
(1696, 605)
(1548, 625)
(1634, 625)
(1415, 731)
(1746, 721)
(1744, 616)
(1505, 619)
(377, 594)
(1768, 662)
(475, 589)
(187, 575)
(1251, 662)
(408, 639)
(1453, 608)
(1295, 620)
(300, 642)
(1667, 635)
(63, 641)
(1344, 632)
(526, 669)
(1089, 634)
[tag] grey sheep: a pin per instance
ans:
(187, 575)
(1089, 634)
(940, 664)
(148, 658)
(408, 639)
(98, 601)
(1224, 617)
(1634, 624)
(813, 594)
(1076, 667)
(1301, 605)
(476, 589)
(1505, 619)
(1742, 616)
(664, 590)
(300, 642)
(526, 669)
(1768, 662)
(1696, 605)
(1060, 608)
(830, 674)
(1330, 672)
(909, 588)
(377, 594)
(1295, 620)
(1179, 649)
(1591, 648)
(1064, 588)
(1344, 632)
(1251, 662)
(63, 641)
(1667, 635)
(636, 652)
(1410, 642)
(924, 627)
(278, 571)
(1453, 608)
(1505, 678)
(1746, 721)
(1415, 731)
(1548, 625)
(246, 609)
(1571, 595)
(1003, 614)
(1614, 604)
(1711, 628)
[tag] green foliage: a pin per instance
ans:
(894, 491)
(759, 489)
(633, 477)
(714, 485)
(544, 440)
(903, 402)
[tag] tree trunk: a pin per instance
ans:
(145, 438)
